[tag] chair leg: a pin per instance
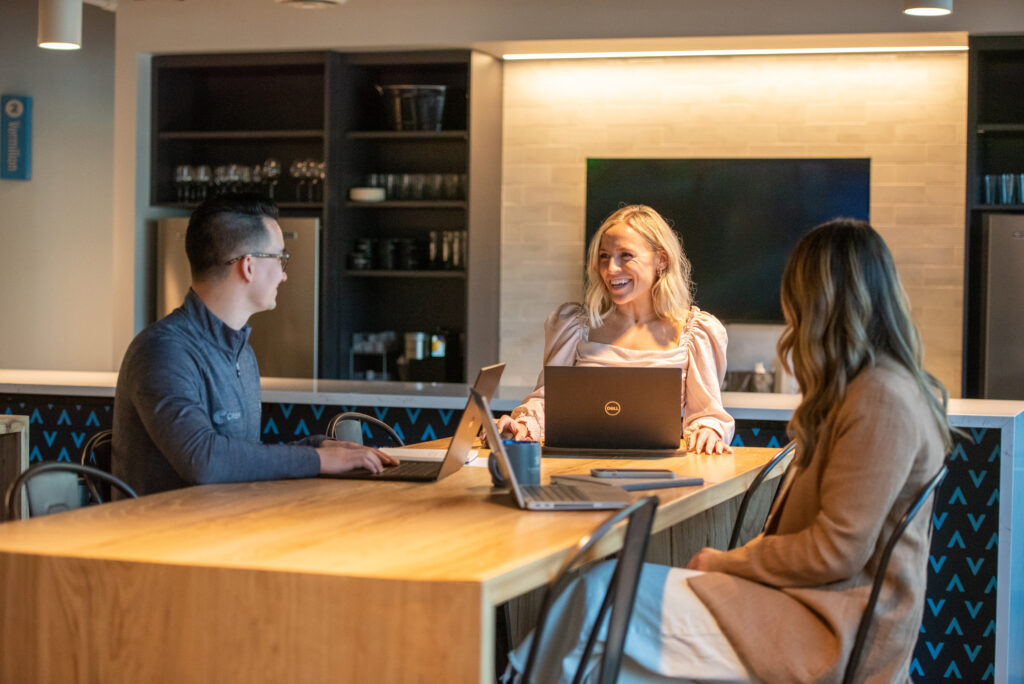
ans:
(502, 639)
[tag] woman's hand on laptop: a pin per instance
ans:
(509, 428)
(704, 440)
(340, 457)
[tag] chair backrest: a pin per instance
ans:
(347, 427)
(52, 487)
(96, 453)
(765, 471)
(619, 597)
(883, 564)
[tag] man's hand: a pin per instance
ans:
(706, 441)
(340, 457)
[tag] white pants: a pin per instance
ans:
(672, 636)
(693, 648)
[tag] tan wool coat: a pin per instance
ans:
(790, 600)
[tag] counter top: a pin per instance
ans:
(444, 395)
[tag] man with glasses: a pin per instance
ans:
(187, 404)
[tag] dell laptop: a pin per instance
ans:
(555, 497)
(607, 410)
(428, 468)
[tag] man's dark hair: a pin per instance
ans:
(225, 227)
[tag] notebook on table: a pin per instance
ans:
(422, 465)
(611, 411)
(554, 497)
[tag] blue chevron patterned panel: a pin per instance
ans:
(957, 640)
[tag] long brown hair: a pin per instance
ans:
(671, 291)
(844, 305)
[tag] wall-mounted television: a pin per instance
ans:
(739, 219)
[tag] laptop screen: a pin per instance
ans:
(612, 407)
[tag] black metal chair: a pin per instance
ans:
(52, 487)
(883, 564)
(347, 427)
(619, 597)
(96, 454)
(766, 470)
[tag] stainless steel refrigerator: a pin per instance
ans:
(285, 338)
(1003, 345)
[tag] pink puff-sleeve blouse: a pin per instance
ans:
(700, 353)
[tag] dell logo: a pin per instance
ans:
(612, 408)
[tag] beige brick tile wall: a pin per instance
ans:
(906, 112)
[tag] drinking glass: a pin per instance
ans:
(433, 186)
(271, 172)
(182, 179)
(256, 174)
(1006, 189)
(990, 189)
(244, 178)
(297, 170)
(234, 177)
(220, 180)
(204, 176)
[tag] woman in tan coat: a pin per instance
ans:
(871, 429)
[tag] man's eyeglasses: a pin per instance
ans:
(282, 258)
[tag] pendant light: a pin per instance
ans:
(60, 24)
(927, 8)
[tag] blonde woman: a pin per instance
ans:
(871, 429)
(637, 311)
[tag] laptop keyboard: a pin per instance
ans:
(553, 493)
(424, 469)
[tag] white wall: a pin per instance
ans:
(56, 229)
(906, 112)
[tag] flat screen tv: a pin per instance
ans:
(739, 219)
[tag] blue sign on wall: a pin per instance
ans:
(16, 148)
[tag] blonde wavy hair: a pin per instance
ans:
(844, 305)
(671, 292)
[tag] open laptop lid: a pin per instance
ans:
(469, 424)
(621, 408)
(482, 408)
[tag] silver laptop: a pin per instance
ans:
(609, 411)
(555, 497)
(411, 470)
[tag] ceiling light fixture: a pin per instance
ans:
(60, 24)
(312, 4)
(927, 8)
(733, 53)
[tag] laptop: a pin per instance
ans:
(554, 497)
(610, 411)
(422, 465)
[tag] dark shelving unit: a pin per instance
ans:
(244, 108)
(995, 145)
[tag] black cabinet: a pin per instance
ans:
(233, 113)
(995, 153)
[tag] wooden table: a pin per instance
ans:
(295, 581)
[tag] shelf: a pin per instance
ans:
(997, 207)
(1000, 128)
(408, 204)
(281, 205)
(408, 135)
(241, 135)
(405, 274)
